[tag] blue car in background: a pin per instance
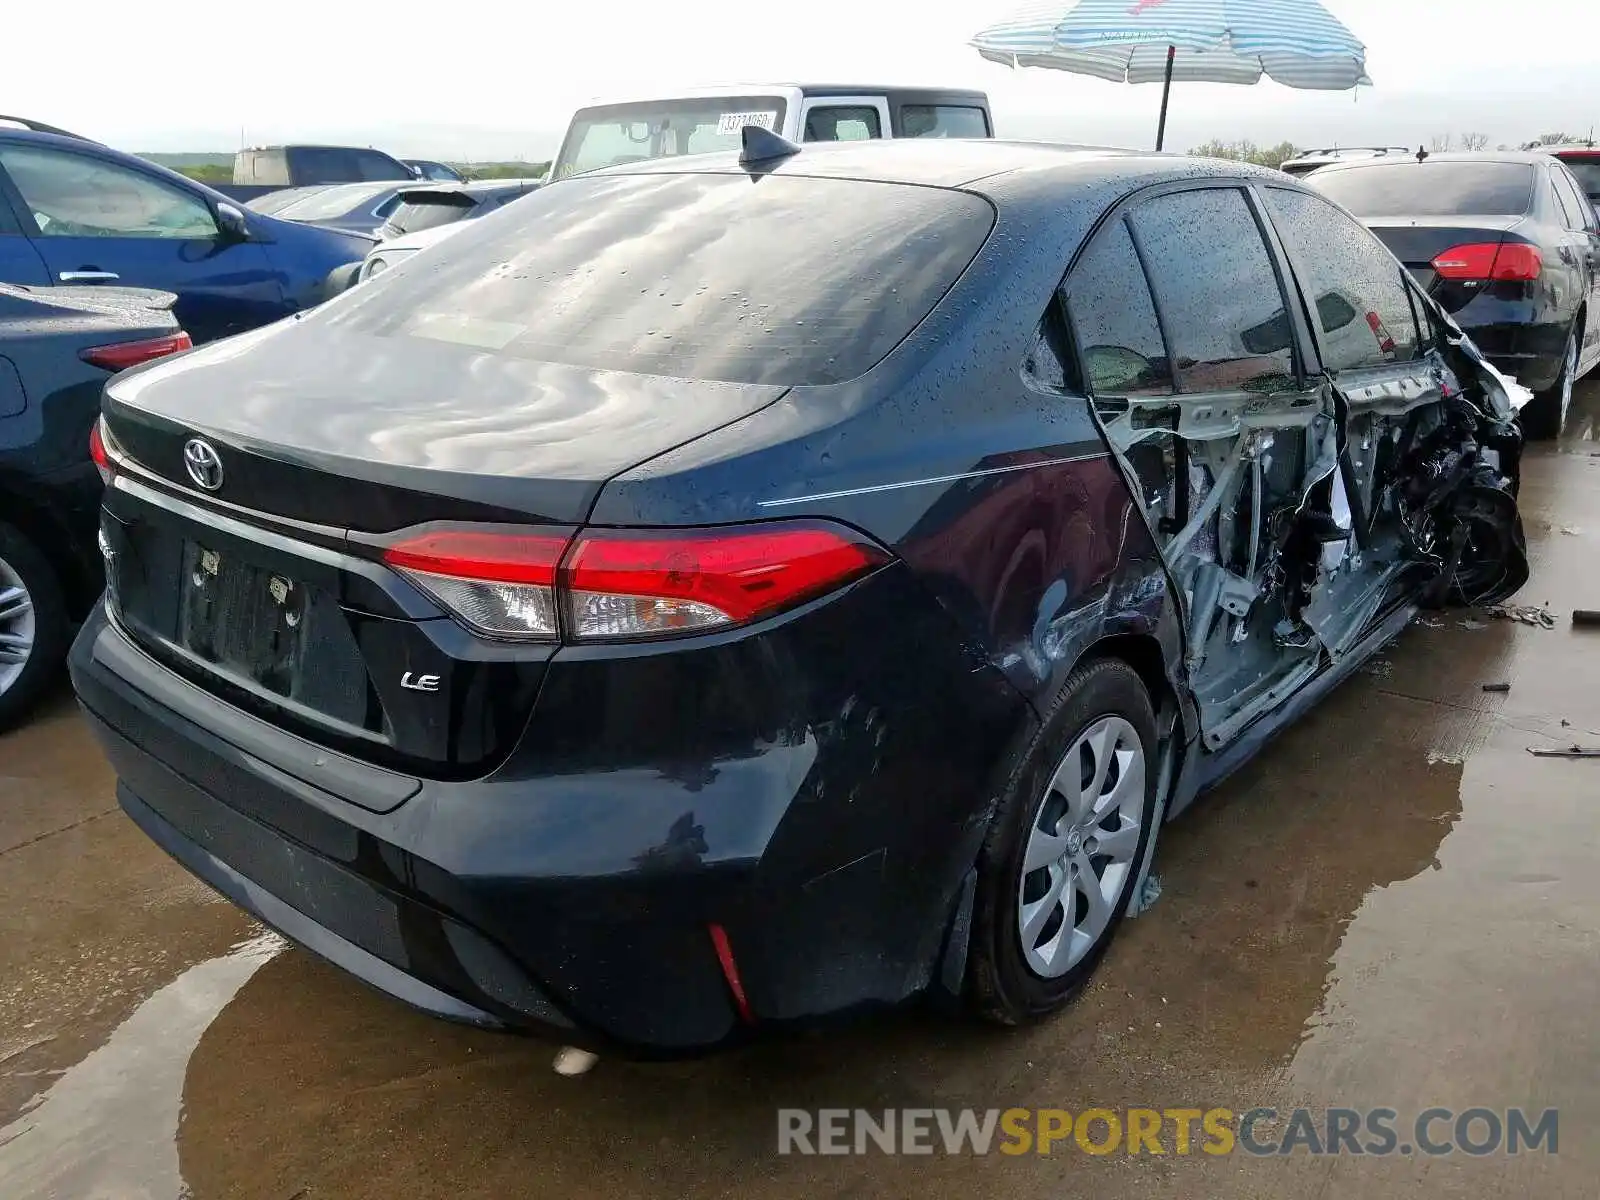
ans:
(75, 212)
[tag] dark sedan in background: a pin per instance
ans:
(58, 346)
(720, 594)
(424, 206)
(355, 207)
(1507, 244)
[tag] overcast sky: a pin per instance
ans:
(499, 78)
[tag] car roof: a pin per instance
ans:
(1531, 157)
(712, 91)
(946, 162)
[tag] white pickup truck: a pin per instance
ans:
(706, 120)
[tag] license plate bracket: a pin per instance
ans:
(245, 619)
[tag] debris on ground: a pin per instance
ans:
(1146, 895)
(1449, 760)
(573, 1061)
(1528, 614)
(1427, 622)
(1497, 687)
(1585, 617)
(1472, 623)
(1568, 752)
(1381, 667)
(1571, 530)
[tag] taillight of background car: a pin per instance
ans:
(624, 584)
(119, 356)
(1485, 261)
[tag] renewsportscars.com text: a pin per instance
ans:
(1168, 1131)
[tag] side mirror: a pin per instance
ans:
(232, 224)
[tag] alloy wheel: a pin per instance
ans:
(1569, 373)
(18, 626)
(1081, 846)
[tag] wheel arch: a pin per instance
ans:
(55, 542)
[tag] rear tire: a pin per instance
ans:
(1086, 787)
(1543, 417)
(34, 627)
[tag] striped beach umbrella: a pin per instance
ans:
(1299, 43)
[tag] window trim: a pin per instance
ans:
(30, 227)
(1425, 342)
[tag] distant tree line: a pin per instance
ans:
(1245, 150)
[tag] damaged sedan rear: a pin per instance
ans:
(725, 594)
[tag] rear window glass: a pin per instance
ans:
(332, 202)
(782, 280)
(425, 212)
(943, 121)
(1411, 189)
(613, 135)
(1587, 171)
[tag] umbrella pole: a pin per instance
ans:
(1166, 92)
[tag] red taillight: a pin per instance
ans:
(122, 355)
(1482, 261)
(499, 583)
(627, 584)
(97, 451)
(631, 583)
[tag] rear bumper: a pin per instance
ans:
(558, 898)
(1517, 338)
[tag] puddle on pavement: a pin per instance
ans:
(108, 1127)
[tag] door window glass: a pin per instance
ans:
(1219, 295)
(72, 195)
(943, 121)
(1119, 340)
(1580, 214)
(843, 123)
(1364, 317)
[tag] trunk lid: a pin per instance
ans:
(376, 433)
(1418, 240)
(267, 590)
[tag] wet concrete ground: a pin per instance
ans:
(1396, 905)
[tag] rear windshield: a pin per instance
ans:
(781, 280)
(1587, 172)
(614, 134)
(1429, 189)
(330, 202)
(424, 212)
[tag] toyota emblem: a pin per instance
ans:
(203, 463)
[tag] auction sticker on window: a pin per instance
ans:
(735, 121)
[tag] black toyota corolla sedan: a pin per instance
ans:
(727, 592)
